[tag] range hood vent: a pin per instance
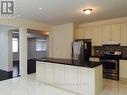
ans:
(109, 43)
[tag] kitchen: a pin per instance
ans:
(86, 52)
(107, 40)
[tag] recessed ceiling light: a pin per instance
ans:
(87, 11)
(40, 8)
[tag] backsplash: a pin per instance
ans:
(98, 50)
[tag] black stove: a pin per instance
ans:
(110, 61)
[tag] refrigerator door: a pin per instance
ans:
(76, 50)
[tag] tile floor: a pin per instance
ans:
(29, 86)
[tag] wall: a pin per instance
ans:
(5, 49)
(99, 50)
(23, 25)
(60, 40)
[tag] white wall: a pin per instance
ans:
(5, 49)
(60, 40)
(22, 25)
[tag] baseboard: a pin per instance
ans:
(5, 74)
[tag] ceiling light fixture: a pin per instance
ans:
(87, 11)
(40, 8)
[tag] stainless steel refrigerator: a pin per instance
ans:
(81, 51)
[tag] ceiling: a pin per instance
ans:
(64, 11)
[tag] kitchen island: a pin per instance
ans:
(63, 73)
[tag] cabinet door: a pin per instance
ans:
(84, 80)
(83, 33)
(124, 34)
(96, 36)
(87, 33)
(79, 34)
(48, 77)
(115, 32)
(71, 77)
(105, 33)
(59, 74)
(123, 69)
(40, 71)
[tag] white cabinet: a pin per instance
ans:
(111, 33)
(84, 81)
(96, 36)
(123, 69)
(59, 74)
(115, 32)
(88, 33)
(79, 34)
(71, 77)
(39, 67)
(83, 33)
(105, 33)
(48, 72)
(124, 34)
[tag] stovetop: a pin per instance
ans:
(112, 55)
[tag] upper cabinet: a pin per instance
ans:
(105, 33)
(79, 34)
(124, 34)
(115, 32)
(88, 32)
(96, 36)
(111, 33)
(83, 33)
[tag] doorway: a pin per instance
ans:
(37, 47)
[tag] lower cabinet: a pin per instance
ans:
(31, 66)
(48, 72)
(123, 69)
(76, 79)
(71, 77)
(84, 81)
(59, 74)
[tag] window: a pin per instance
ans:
(14, 44)
(41, 45)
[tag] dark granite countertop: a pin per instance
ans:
(69, 62)
(121, 58)
(96, 56)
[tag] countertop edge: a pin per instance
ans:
(92, 64)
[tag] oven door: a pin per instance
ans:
(110, 66)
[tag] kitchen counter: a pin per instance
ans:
(64, 73)
(123, 58)
(69, 62)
